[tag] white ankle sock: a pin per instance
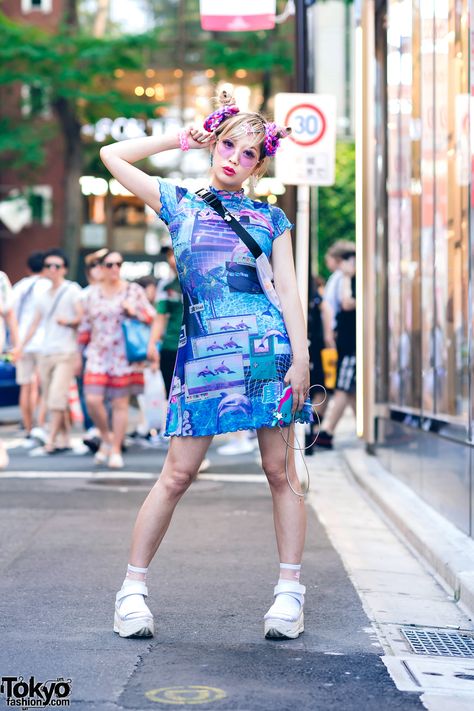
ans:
(133, 605)
(134, 574)
(286, 603)
(292, 571)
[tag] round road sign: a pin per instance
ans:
(308, 124)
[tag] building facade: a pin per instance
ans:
(38, 222)
(416, 239)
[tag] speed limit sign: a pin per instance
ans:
(307, 156)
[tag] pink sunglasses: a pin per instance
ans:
(247, 158)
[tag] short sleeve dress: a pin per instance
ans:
(234, 350)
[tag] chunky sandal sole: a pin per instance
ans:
(144, 627)
(276, 628)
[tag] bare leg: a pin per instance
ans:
(65, 429)
(352, 402)
(285, 618)
(181, 465)
(289, 513)
(26, 406)
(98, 413)
(336, 408)
(57, 419)
(119, 423)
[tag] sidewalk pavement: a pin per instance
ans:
(449, 551)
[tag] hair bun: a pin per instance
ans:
(226, 98)
(284, 131)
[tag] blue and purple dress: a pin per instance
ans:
(234, 349)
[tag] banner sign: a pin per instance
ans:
(237, 15)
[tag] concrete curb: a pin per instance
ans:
(449, 551)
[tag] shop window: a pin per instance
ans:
(45, 6)
(428, 182)
(40, 199)
(35, 101)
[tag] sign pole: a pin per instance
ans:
(302, 245)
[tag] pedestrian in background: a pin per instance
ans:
(228, 320)
(333, 259)
(320, 336)
(108, 376)
(152, 401)
(26, 293)
(94, 271)
(167, 323)
(346, 351)
(58, 315)
(7, 320)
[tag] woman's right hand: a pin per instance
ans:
(198, 137)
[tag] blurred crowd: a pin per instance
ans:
(69, 349)
(68, 346)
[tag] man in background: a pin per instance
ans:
(26, 294)
(58, 311)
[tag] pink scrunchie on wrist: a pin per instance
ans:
(183, 140)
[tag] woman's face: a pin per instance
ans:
(96, 273)
(234, 160)
(111, 267)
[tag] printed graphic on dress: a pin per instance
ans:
(280, 338)
(183, 339)
(244, 322)
(207, 377)
(227, 342)
(176, 388)
(271, 392)
(242, 278)
(262, 358)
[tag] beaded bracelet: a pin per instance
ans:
(183, 140)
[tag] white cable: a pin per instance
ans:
(302, 449)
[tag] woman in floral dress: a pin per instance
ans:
(108, 375)
(236, 353)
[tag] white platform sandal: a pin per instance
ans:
(285, 618)
(132, 616)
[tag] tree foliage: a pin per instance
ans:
(336, 204)
(75, 73)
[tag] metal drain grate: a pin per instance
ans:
(443, 643)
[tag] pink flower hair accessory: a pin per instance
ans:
(273, 134)
(215, 119)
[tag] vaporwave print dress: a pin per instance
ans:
(234, 349)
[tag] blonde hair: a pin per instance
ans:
(251, 124)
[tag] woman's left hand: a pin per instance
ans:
(298, 377)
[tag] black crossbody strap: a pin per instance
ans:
(214, 202)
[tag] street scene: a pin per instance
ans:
(236, 363)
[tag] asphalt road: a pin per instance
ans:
(62, 557)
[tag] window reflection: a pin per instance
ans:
(428, 177)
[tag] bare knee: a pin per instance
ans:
(93, 401)
(274, 468)
(176, 480)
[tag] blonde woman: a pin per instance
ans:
(236, 350)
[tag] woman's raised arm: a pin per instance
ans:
(119, 158)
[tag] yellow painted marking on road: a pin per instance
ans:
(185, 695)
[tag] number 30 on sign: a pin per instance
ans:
(307, 157)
